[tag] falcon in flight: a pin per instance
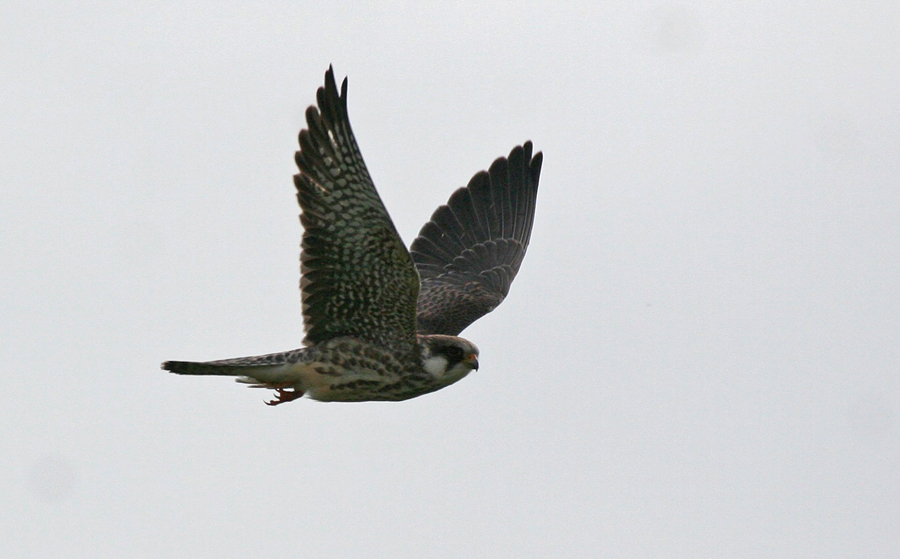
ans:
(382, 321)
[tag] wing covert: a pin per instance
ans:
(357, 278)
(469, 252)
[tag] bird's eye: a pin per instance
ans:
(454, 352)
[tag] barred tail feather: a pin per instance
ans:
(197, 368)
(273, 369)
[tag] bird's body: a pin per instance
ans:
(381, 321)
(347, 369)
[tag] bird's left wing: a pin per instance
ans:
(471, 249)
(357, 277)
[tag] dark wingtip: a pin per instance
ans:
(536, 163)
(533, 162)
(332, 100)
(529, 148)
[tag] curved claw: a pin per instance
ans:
(285, 395)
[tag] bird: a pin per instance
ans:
(381, 322)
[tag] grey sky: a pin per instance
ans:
(698, 359)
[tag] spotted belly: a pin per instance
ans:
(357, 386)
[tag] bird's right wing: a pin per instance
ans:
(357, 276)
(469, 252)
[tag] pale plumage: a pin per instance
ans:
(381, 323)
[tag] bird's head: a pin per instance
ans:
(448, 358)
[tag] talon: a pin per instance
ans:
(285, 395)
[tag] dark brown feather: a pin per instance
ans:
(469, 252)
(357, 277)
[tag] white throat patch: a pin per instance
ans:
(436, 365)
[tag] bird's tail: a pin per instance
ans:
(272, 369)
(206, 368)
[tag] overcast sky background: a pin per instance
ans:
(698, 359)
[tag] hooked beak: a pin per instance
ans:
(472, 360)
